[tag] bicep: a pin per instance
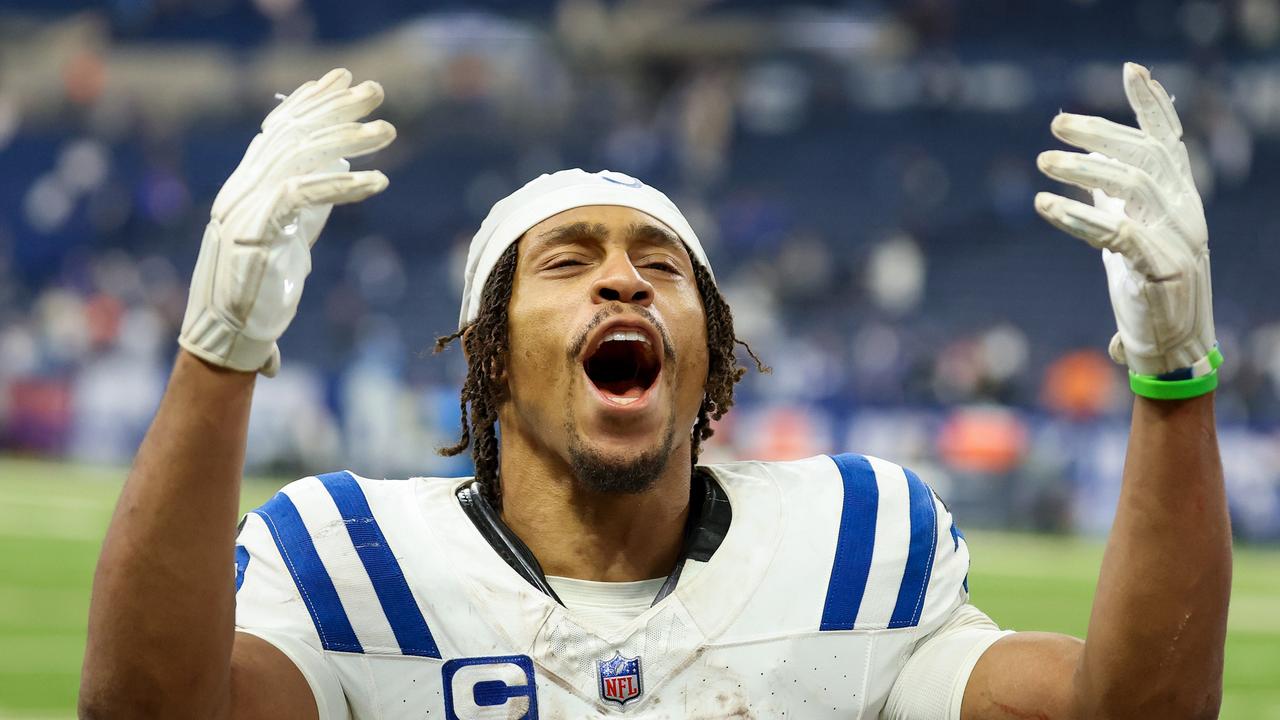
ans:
(266, 684)
(1024, 675)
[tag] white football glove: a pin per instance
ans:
(1147, 220)
(256, 251)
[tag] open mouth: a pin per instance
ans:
(623, 366)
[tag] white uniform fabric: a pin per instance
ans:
(606, 606)
(834, 571)
(553, 193)
(931, 685)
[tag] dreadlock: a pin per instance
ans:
(485, 343)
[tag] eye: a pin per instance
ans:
(563, 263)
(662, 265)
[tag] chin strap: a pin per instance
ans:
(708, 523)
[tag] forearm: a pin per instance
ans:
(162, 612)
(1156, 634)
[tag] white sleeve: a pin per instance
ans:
(269, 605)
(931, 684)
(954, 634)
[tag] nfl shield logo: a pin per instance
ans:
(620, 679)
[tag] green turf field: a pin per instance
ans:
(52, 518)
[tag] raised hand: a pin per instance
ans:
(256, 251)
(1149, 223)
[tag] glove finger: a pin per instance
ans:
(336, 79)
(306, 201)
(341, 106)
(352, 140)
(1101, 229)
(1152, 105)
(327, 145)
(1096, 227)
(1135, 186)
(286, 105)
(329, 189)
(1095, 134)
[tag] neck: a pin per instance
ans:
(577, 533)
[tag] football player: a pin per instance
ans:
(592, 568)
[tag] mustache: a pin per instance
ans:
(617, 308)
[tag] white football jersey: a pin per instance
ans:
(393, 605)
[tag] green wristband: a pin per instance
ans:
(1157, 389)
(1149, 387)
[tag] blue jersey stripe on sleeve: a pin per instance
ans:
(854, 544)
(389, 583)
(924, 541)
(242, 564)
(309, 574)
(957, 535)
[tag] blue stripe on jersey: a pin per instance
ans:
(924, 541)
(242, 564)
(957, 535)
(854, 544)
(313, 581)
(406, 620)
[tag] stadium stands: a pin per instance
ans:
(862, 174)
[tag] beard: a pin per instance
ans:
(599, 473)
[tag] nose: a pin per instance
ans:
(619, 281)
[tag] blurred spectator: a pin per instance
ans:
(862, 176)
(1079, 384)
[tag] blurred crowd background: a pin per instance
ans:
(861, 173)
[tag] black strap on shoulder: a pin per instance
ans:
(713, 514)
(709, 517)
(504, 542)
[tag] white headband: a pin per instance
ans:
(550, 194)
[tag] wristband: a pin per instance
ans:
(1199, 379)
